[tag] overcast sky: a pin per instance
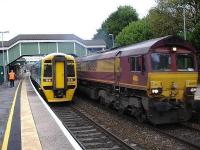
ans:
(80, 17)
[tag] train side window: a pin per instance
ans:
(47, 70)
(70, 70)
(136, 63)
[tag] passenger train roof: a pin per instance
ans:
(141, 48)
(58, 54)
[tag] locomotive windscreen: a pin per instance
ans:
(161, 62)
(185, 62)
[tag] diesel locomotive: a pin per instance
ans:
(55, 76)
(154, 80)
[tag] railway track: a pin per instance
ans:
(186, 133)
(181, 132)
(89, 134)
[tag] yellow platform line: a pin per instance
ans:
(9, 123)
(29, 136)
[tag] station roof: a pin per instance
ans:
(30, 37)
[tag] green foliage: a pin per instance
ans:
(167, 17)
(163, 23)
(196, 37)
(136, 31)
(115, 23)
(119, 19)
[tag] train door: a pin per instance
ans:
(59, 76)
(137, 68)
(117, 71)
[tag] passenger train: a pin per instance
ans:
(55, 75)
(154, 80)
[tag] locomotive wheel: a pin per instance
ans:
(121, 111)
(140, 116)
(102, 101)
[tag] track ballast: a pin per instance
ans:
(90, 135)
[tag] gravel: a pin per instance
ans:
(130, 131)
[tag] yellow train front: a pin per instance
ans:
(55, 75)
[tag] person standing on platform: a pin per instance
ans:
(12, 78)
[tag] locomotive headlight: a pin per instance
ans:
(156, 91)
(193, 90)
(174, 49)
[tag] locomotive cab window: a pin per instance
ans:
(136, 63)
(160, 62)
(185, 62)
(47, 70)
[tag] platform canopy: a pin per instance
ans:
(42, 44)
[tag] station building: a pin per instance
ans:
(42, 44)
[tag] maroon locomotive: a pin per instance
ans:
(154, 80)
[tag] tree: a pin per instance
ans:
(195, 37)
(167, 17)
(163, 23)
(115, 23)
(136, 31)
(119, 19)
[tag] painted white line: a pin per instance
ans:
(59, 123)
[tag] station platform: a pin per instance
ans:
(26, 121)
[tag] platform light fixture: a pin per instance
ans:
(4, 68)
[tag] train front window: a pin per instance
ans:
(47, 70)
(160, 62)
(70, 70)
(184, 62)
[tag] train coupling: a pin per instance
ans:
(60, 93)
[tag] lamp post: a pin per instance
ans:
(184, 23)
(4, 68)
(184, 18)
(113, 41)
